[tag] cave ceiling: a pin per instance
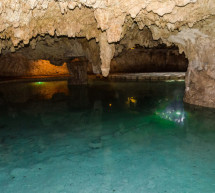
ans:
(111, 24)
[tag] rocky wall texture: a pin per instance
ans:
(49, 57)
(45, 61)
(137, 60)
(115, 25)
(16, 65)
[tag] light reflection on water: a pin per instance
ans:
(173, 111)
(104, 137)
(22, 92)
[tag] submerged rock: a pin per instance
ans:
(95, 144)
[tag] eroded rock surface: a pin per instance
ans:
(158, 59)
(114, 25)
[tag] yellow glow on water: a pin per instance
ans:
(132, 100)
(110, 105)
(46, 90)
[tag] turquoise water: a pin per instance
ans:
(127, 137)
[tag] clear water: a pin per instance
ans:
(127, 137)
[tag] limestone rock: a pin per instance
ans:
(188, 24)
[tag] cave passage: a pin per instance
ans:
(57, 61)
(157, 59)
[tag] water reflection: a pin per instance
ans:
(48, 99)
(22, 92)
(131, 102)
(172, 111)
(105, 136)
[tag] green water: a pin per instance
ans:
(127, 137)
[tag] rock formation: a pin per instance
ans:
(157, 59)
(109, 26)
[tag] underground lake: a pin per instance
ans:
(107, 136)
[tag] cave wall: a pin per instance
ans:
(46, 60)
(114, 25)
(50, 56)
(15, 65)
(149, 60)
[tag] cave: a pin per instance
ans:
(107, 96)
